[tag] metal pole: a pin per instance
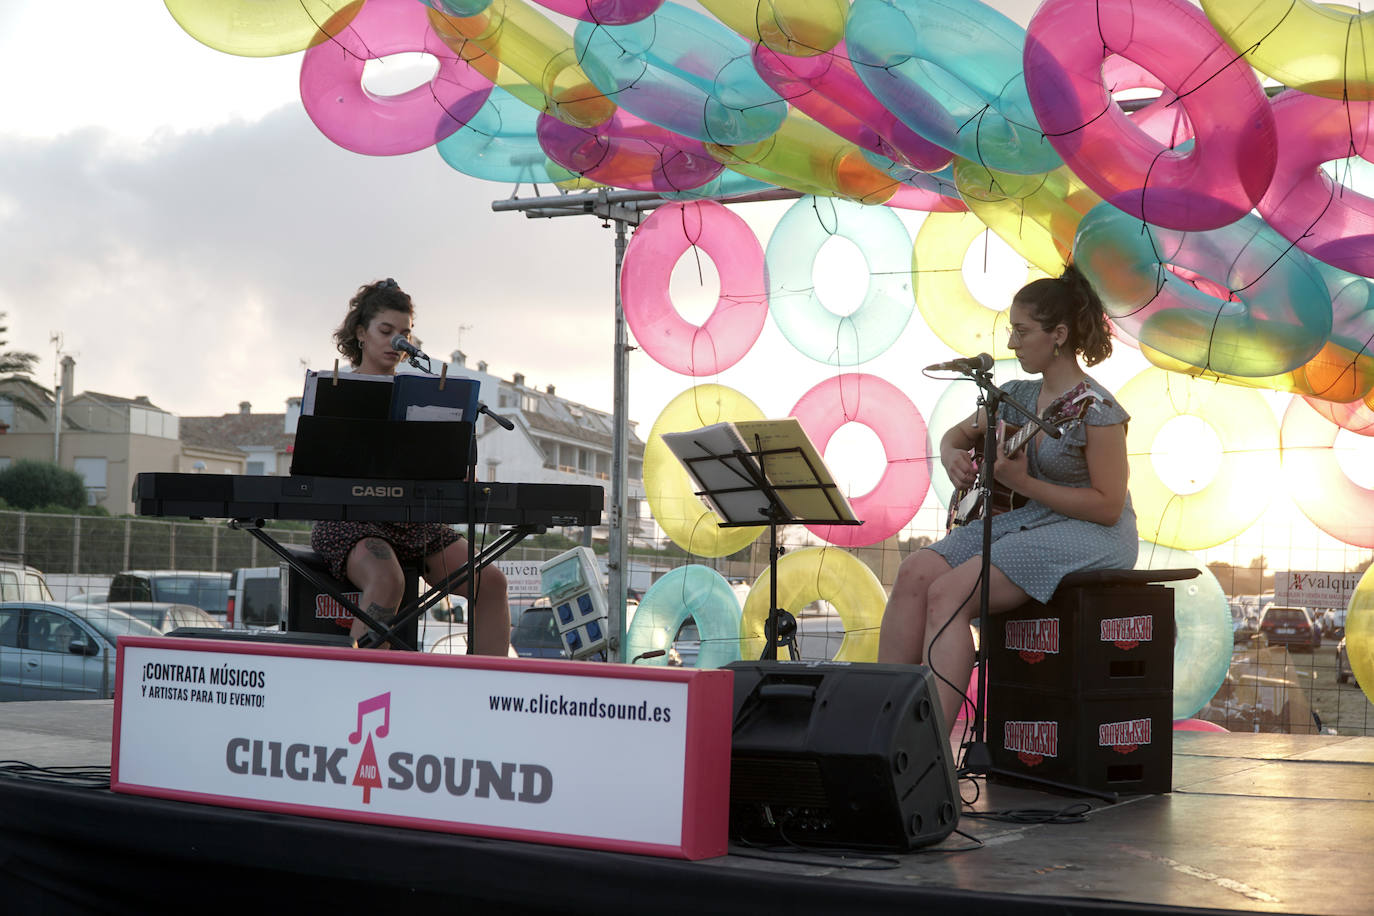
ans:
(616, 563)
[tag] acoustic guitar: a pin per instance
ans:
(967, 504)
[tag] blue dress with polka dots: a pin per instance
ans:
(1034, 545)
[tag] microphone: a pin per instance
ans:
(399, 342)
(980, 363)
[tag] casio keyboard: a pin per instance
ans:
(520, 508)
(311, 498)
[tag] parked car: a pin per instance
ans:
(208, 591)
(165, 616)
(536, 635)
(1290, 626)
(89, 598)
(1244, 623)
(686, 645)
(58, 650)
(258, 598)
(19, 582)
(1344, 673)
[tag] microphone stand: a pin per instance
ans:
(977, 757)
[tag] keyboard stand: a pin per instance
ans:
(381, 633)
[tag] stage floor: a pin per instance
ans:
(1260, 823)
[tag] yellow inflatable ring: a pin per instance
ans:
(812, 574)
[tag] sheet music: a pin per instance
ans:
(709, 454)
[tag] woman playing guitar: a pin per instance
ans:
(1072, 512)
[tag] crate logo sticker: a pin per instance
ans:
(1128, 632)
(1124, 737)
(1032, 742)
(1033, 639)
(326, 608)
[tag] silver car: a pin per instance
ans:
(55, 650)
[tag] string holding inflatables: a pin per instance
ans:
(826, 88)
(670, 492)
(499, 143)
(530, 45)
(1230, 501)
(262, 28)
(949, 307)
(1236, 301)
(682, 71)
(628, 152)
(965, 95)
(794, 27)
(1333, 223)
(606, 12)
(345, 112)
(1205, 184)
(795, 303)
(818, 574)
(741, 308)
(899, 426)
(696, 592)
(1316, 482)
(1318, 48)
(1202, 635)
(1037, 215)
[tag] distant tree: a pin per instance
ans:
(33, 484)
(14, 362)
(1259, 562)
(1361, 567)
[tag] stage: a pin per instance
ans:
(1262, 823)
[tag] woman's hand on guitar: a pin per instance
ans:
(960, 467)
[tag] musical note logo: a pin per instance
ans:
(382, 702)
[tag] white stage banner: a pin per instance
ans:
(618, 757)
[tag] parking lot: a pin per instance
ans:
(1343, 707)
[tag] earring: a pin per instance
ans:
(1056, 350)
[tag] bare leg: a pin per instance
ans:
(902, 637)
(953, 602)
(373, 567)
(491, 610)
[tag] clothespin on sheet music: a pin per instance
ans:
(336, 372)
(443, 375)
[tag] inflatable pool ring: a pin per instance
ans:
(927, 200)
(796, 307)
(948, 306)
(825, 87)
(528, 44)
(683, 71)
(698, 592)
(725, 185)
(1356, 416)
(606, 12)
(808, 158)
(1328, 221)
(628, 152)
(261, 28)
(1208, 184)
(951, 71)
(1198, 725)
(345, 112)
(1359, 633)
(1236, 496)
(818, 574)
(1161, 118)
(1037, 215)
(1317, 484)
(1272, 312)
(670, 492)
(796, 27)
(499, 144)
(1202, 628)
(899, 426)
(1317, 48)
(957, 401)
(738, 318)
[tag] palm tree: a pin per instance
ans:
(17, 363)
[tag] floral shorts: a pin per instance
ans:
(412, 541)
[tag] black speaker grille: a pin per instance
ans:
(771, 780)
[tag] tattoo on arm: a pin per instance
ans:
(378, 548)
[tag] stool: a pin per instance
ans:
(1080, 690)
(310, 610)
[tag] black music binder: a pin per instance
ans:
(346, 430)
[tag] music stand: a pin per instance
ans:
(780, 480)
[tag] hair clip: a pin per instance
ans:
(388, 283)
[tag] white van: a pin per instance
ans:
(257, 598)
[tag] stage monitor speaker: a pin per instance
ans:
(830, 754)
